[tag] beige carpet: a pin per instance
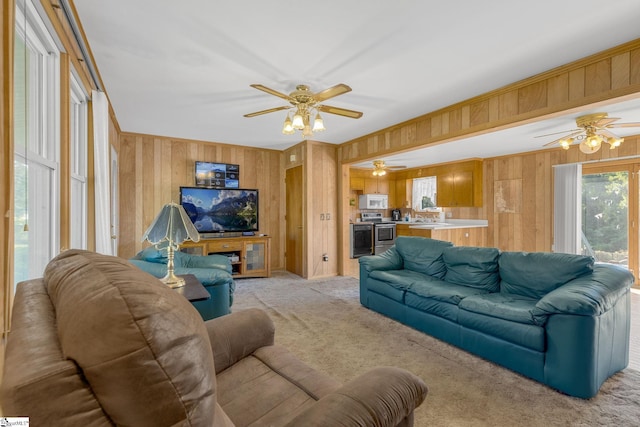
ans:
(323, 323)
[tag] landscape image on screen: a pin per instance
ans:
(221, 209)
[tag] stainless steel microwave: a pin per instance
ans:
(373, 201)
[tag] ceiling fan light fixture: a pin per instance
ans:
(287, 128)
(565, 143)
(298, 121)
(587, 148)
(318, 124)
(615, 142)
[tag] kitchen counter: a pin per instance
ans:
(461, 232)
(450, 224)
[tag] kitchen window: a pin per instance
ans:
(424, 194)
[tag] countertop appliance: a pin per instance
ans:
(396, 215)
(373, 201)
(384, 232)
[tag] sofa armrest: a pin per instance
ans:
(237, 335)
(388, 260)
(588, 295)
(208, 261)
(383, 396)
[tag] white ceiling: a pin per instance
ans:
(183, 68)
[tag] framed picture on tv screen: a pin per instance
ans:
(217, 175)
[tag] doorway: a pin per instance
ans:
(294, 226)
(610, 207)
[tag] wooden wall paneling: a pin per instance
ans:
(558, 90)
(595, 79)
(634, 67)
(620, 70)
(153, 168)
(532, 97)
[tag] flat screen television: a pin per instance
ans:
(220, 210)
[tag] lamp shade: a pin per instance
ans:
(172, 225)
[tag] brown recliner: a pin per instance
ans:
(97, 342)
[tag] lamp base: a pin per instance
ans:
(172, 281)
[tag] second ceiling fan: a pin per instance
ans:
(306, 102)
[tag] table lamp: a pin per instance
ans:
(173, 226)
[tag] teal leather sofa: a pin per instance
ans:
(559, 319)
(213, 271)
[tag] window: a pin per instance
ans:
(78, 136)
(36, 101)
(424, 193)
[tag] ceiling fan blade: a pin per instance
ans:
(606, 121)
(571, 135)
(336, 90)
(270, 110)
(340, 111)
(558, 133)
(624, 125)
(272, 92)
(608, 133)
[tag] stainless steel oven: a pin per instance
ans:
(361, 239)
(384, 236)
(384, 233)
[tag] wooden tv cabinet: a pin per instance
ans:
(250, 255)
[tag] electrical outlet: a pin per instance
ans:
(325, 257)
(449, 214)
(321, 217)
(328, 216)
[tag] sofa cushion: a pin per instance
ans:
(135, 368)
(522, 334)
(443, 291)
(422, 254)
(515, 308)
(151, 254)
(400, 279)
(471, 266)
(534, 274)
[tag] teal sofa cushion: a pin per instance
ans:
(471, 266)
(534, 274)
(516, 308)
(400, 279)
(151, 254)
(443, 291)
(422, 254)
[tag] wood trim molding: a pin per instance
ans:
(610, 75)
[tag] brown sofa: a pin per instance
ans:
(97, 342)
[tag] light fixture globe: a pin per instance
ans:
(588, 147)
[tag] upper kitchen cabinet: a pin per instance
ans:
(460, 184)
(376, 185)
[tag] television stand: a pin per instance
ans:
(250, 255)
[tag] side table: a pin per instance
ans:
(192, 289)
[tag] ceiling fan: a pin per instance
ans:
(305, 102)
(593, 130)
(380, 167)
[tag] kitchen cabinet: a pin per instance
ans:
(460, 185)
(357, 184)
(376, 185)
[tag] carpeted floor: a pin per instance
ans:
(323, 323)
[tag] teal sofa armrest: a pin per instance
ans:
(388, 260)
(588, 295)
(208, 261)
